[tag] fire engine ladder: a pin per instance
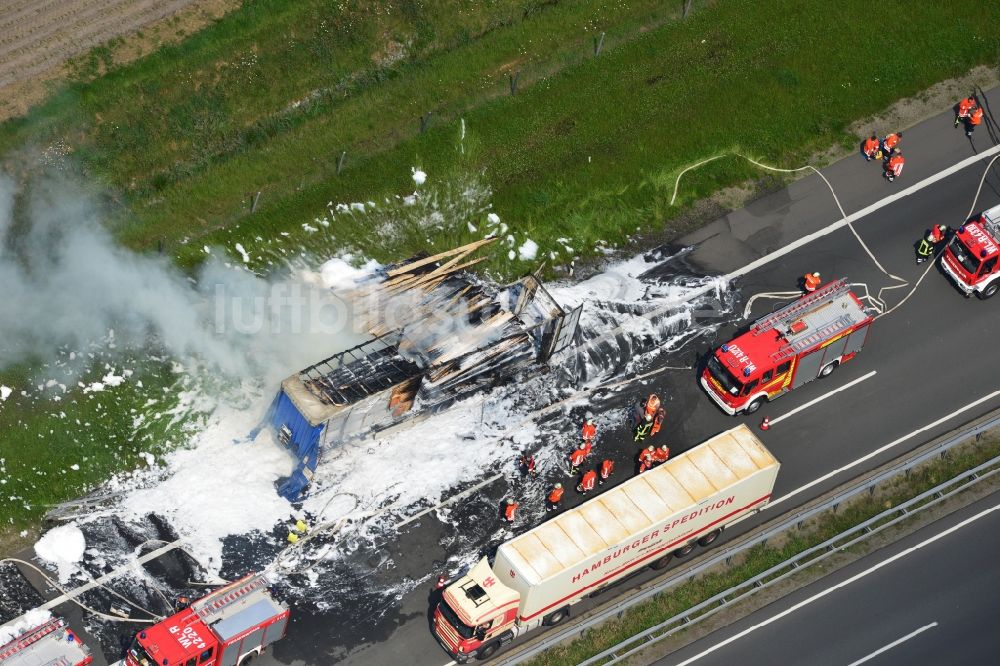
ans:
(31, 637)
(229, 595)
(836, 326)
(801, 306)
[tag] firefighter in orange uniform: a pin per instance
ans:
(894, 167)
(974, 120)
(810, 282)
(652, 404)
(870, 148)
(661, 454)
(576, 459)
(646, 459)
(964, 109)
(889, 144)
(509, 510)
(607, 467)
(526, 461)
(658, 421)
(589, 431)
(555, 496)
(587, 482)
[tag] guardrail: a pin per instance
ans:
(792, 520)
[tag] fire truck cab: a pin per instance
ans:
(971, 258)
(806, 339)
(227, 627)
(51, 643)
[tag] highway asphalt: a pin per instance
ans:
(933, 357)
(929, 598)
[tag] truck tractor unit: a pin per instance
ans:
(805, 339)
(51, 643)
(538, 576)
(227, 627)
(970, 259)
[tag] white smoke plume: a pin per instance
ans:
(66, 284)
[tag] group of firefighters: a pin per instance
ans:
(968, 112)
(887, 149)
(647, 420)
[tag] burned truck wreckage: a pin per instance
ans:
(438, 333)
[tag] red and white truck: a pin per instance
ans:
(228, 627)
(51, 643)
(806, 339)
(971, 258)
(646, 520)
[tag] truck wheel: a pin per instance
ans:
(828, 369)
(555, 617)
(487, 652)
(246, 660)
(662, 562)
(990, 291)
(754, 406)
(684, 551)
(709, 538)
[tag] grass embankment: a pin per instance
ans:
(268, 98)
(678, 599)
(58, 444)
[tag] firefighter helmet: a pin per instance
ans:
(558, 485)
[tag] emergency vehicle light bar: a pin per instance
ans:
(824, 293)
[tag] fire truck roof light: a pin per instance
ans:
(982, 254)
(142, 635)
(746, 372)
(725, 348)
(961, 229)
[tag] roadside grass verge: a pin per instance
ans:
(678, 599)
(56, 445)
(586, 150)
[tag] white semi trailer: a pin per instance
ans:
(645, 521)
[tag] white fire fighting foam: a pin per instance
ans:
(224, 483)
(62, 546)
(33, 618)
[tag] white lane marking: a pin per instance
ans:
(791, 247)
(894, 644)
(453, 498)
(888, 446)
(824, 397)
(867, 210)
(829, 590)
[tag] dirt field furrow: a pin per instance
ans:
(63, 25)
(38, 36)
(44, 35)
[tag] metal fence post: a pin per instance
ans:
(598, 44)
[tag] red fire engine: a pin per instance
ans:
(49, 643)
(228, 627)
(970, 259)
(804, 340)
